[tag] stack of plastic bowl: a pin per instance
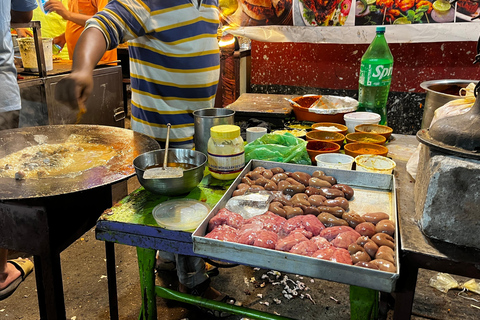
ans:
(365, 138)
(354, 119)
(374, 163)
(316, 147)
(330, 126)
(335, 161)
(329, 136)
(376, 129)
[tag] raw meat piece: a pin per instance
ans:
(321, 242)
(289, 241)
(311, 223)
(308, 222)
(223, 232)
(270, 220)
(342, 256)
(266, 239)
(291, 224)
(254, 225)
(344, 239)
(246, 237)
(325, 253)
(225, 216)
(331, 233)
(305, 248)
(302, 230)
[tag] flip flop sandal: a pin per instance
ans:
(25, 267)
(221, 314)
(200, 289)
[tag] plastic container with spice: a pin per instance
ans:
(374, 163)
(226, 153)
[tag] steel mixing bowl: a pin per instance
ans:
(171, 186)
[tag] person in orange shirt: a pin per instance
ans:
(78, 12)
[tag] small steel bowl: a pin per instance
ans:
(171, 186)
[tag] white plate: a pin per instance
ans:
(180, 214)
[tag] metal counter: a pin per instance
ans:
(39, 106)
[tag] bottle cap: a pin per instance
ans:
(225, 131)
(380, 29)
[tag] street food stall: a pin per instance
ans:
(132, 221)
(379, 205)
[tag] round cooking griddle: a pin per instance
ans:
(127, 144)
(424, 137)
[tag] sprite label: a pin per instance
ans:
(375, 74)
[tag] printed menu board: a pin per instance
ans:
(240, 13)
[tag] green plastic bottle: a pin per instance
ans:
(375, 76)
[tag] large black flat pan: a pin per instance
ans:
(127, 143)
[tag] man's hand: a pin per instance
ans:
(60, 40)
(74, 91)
(23, 33)
(58, 7)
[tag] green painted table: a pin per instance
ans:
(131, 222)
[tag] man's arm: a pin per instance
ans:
(75, 89)
(59, 8)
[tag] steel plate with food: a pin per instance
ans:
(52, 160)
(330, 224)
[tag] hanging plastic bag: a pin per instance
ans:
(449, 109)
(284, 148)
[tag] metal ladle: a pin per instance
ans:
(461, 131)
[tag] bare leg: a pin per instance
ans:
(8, 272)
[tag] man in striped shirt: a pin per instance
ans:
(174, 61)
(174, 70)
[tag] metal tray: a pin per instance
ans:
(373, 192)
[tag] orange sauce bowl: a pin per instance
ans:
(328, 136)
(316, 147)
(375, 128)
(365, 138)
(356, 148)
(329, 126)
(302, 113)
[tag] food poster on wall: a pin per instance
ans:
(241, 13)
(256, 12)
(375, 12)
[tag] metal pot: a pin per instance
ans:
(440, 92)
(171, 186)
(204, 120)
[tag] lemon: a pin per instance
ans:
(441, 6)
(371, 1)
(402, 20)
(227, 7)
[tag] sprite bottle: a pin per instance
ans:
(375, 77)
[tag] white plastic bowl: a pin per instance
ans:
(374, 163)
(335, 161)
(354, 119)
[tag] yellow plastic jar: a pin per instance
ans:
(226, 153)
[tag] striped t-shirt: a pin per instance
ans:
(174, 61)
